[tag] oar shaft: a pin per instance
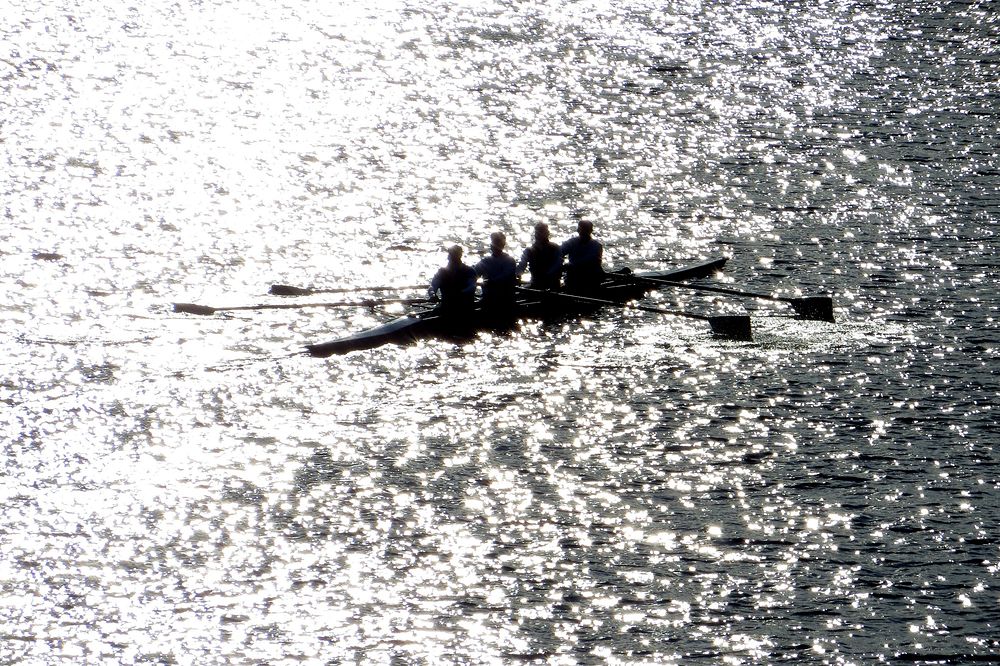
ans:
(193, 308)
(809, 307)
(601, 301)
(289, 290)
(735, 327)
(701, 287)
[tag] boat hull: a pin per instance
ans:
(702, 269)
(410, 328)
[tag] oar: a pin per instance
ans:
(193, 308)
(736, 327)
(809, 307)
(289, 290)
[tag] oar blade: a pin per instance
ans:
(289, 290)
(194, 308)
(731, 327)
(819, 308)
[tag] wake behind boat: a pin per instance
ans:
(616, 289)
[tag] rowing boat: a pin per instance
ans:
(412, 327)
(419, 325)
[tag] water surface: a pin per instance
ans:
(624, 489)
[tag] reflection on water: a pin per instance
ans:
(618, 489)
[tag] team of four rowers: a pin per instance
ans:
(455, 284)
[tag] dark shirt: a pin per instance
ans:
(584, 257)
(544, 260)
(499, 277)
(457, 284)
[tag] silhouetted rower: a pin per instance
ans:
(499, 273)
(543, 259)
(584, 272)
(455, 284)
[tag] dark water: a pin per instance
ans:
(624, 489)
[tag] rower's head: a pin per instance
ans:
(454, 254)
(585, 228)
(497, 241)
(541, 232)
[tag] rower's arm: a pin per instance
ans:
(523, 264)
(432, 290)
